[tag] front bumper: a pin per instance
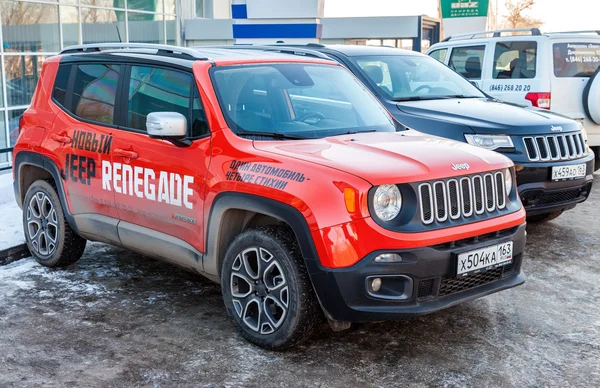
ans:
(540, 194)
(430, 284)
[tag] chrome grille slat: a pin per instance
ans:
(453, 199)
(500, 190)
(466, 195)
(462, 197)
(555, 147)
(426, 202)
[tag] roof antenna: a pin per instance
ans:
(119, 34)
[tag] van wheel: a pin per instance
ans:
(540, 218)
(267, 290)
(49, 237)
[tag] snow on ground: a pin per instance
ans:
(11, 222)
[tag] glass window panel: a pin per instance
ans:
(13, 125)
(145, 5)
(171, 24)
(199, 121)
(575, 59)
(4, 142)
(170, 6)
(199, 8)
(102, 25)
(69, 17)
(29, 27)
(157, 90)
(105, 3)
(22, 73)
(145, 28)
(1, 94)
(94, 92)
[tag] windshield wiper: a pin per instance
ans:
(417, 98)
(354, 132)
(273, 135)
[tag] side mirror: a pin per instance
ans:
(166, 125)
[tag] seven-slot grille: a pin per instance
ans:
(555, 147)
(461, 197)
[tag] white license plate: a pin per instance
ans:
(484, 259)
(576, 171)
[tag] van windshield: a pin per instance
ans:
(407, 77)
(297, 101)
(576, 59)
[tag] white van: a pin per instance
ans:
(555, 71)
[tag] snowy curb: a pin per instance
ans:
(18, 252)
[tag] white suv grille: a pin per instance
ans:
(555, 147)
(461, 197)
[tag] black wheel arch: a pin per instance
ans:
(223, 226)
(27, 158)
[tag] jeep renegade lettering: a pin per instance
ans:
(279, 176)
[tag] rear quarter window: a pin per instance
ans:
(95, 91)
(439, 55)
(575, 59)
(515, 60)
(59, 93)
(467, 61)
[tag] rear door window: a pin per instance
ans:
(467, 61)
(515, 60)
(576, 59)
(94, 92)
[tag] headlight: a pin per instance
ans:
(387, 202)
(508, 181)
(490, 142)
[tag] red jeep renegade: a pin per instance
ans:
(279, 176)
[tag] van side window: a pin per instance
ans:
(95, 91)
(575, 59)
(439, 55)
(59, 93)
(154, 89)
(515, 60)
(467, 61)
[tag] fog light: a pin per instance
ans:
(376, 284)
(388, 258)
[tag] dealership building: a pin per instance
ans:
(36, 29)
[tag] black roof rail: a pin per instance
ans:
(574, 32)
(161, 49)
(497, 33)
(281, 48)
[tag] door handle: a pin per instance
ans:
(126, 153)
(61, 139)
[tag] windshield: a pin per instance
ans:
(404, 77)
(297, 101)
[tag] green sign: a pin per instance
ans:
(464, 8)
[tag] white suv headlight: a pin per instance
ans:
(387, 202)
(508, 181)
(490, 142)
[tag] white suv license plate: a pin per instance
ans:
(576, 171)
(484, 259)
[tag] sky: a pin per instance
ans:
(557, 15)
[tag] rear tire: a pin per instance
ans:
(541, 218)
(267, 290)
(596, 158)
(49, 237)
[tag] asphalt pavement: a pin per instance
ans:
(119, 319)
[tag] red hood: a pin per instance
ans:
(384, 157)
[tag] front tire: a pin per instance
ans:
(49, 237)
(267, 290)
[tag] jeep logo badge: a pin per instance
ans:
(556, 128)
(462, 166)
